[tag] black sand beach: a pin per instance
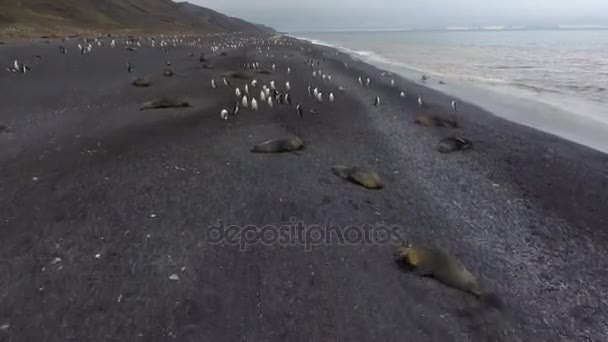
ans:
(105, 209)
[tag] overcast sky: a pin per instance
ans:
(315, 15)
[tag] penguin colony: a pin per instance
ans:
(252, 95)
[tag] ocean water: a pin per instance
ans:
(556, 81)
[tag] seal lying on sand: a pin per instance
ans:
(141, 82)
(164, 103)
(435, 120)
(452, 144)
(433, 262)
(365, 178)
(239, 75)
(279, 145)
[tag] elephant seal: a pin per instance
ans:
(164, 103)
(428, 261)
(435, 120)
(452, 144)
(141, 82)
(367, 179)
(279, 145)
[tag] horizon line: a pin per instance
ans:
(460, 29)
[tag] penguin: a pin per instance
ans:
(254, 104)
(315, 92)
(274, 67)
(288, 70)
(299, 111)
(360, 80)
(237, 92)
(245, 102)
(377, 101)
(281, 98)
(320, 97)
(392, 83)
(287, 86)
(329, 77)
(224, 114)
(246, 89)
(309, 90)
(226, 83)
(287, 98)
(262, 96)
(254, 83)
(368, 82)
(270, 103)
(402, 94)
(63, 50)
(213, 83)
(236, 108)
(331, 97)
(314, 74)
(420, 101)
(454, 106)
(272, 85)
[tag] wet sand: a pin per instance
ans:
(103, 203)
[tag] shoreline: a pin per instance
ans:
(102, 204)
(508, 103)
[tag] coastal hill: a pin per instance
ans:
(212, 18)
(59, 17)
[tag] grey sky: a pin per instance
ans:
(292, 15)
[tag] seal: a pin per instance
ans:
(452, 144)
(164, 103)
(279, 145)
(142, 83)
(435, 120)
(429, 261)
(367, 179)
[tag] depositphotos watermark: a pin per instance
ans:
(297, 233)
